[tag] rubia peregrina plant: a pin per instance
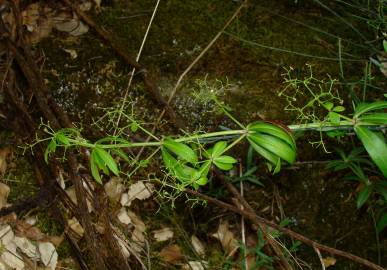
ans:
(189, 158)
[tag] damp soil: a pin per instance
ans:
(319, 203)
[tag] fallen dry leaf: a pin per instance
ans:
(197, 245)
(9, 255)
(48, 254)
(195, 265)
(123, 216)
(4, 192)
(138, 191)
(138, 236)
(114, 189)
(329, 261)
(226, 238)
(73, 54)
(26, 246)
(171, 254)
(70, 24)
(76, 226)
(163, 234)
(4, 153)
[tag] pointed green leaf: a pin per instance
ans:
(99, 162)
(375, 146)
(375, 118)
(218, 149)
(382, 223)
(277, 166)
(134, 127)
(263, 152)
(273, 130)
(275, 146)
(61, 138)
(108, 160)
(366, 107)
(328, 105)
(182, 150)
(363, 196)
(202, 181)
(94, 170)
(338, 109)
(121, 154)
(334, 117)
(226, 159)
(51, 147)
(385, 45)
(223, 166)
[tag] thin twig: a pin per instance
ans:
(134, 69)
(320, 258)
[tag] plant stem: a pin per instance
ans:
(318, 126)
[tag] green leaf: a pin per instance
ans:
(61, 138)
(226, 159)
(134, 127)
(108, 159)
(182, 150)
(262, 151)
(273, 130)
(202, 181)
(218, 149)
(375, 146)
(277, 166)
(338, 109)
(275, 146)
(223, 166)
(51, 147)
(366, 107)
(334, 117)
(328, 105)
(375, 118)
(121, 154)
(382, 223)
(94, 170)
(175, 167)
(385, 45)
(99, 162)
(363, 196)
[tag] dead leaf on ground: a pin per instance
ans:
(73, 54)
(197, 245)
(70, 23)
(114, 189)
(138, 236)
(123, 216)
(171, 254)
(138, 191)
(26, 246)
(48, 254)
(4, 192)
(329, 261)
(4, 153)
(163, 234)
(195, 265)
(76, 226)
(226, 238)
